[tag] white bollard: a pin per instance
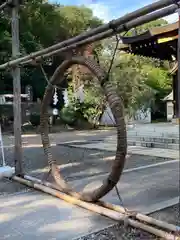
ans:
(5, 171)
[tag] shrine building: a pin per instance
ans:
(160, 43)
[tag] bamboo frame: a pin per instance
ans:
(109, 33)
(138, 216)
(141, 217)
(134, 19)
(97, 209)
(122, 24)
(16, 74)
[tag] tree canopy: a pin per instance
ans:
(141, 29)
(42, 24)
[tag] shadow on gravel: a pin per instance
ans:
(27, 217)
(75, 163)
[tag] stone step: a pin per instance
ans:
(154, 144)
(153, 134)
(154, 139)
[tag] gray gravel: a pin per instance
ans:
(170, 214)
(98, 161)
(36, 165)
(121, 232)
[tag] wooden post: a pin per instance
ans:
(16, 88)
(175, 94)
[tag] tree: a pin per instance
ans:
(48, 23)
(78, 19)
(143, 28)
(45, 25)
(141, 82)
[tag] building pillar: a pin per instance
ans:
(175, 95)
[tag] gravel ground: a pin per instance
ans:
(72, 160)
(99, 162)
(121, 232)
(170, 214)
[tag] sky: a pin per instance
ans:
(111, 9)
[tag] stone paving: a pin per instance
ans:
(111, 146)
(158, 136)
(156, 129)
(33, 215)
(38, 216)
(166, 130)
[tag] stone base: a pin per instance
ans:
(6, 171)
(176, 120)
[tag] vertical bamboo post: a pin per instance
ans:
(16, 88)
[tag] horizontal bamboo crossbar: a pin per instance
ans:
(97, 209)
(129, 25)
(138, 216)
(119, 25)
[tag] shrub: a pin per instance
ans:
(35, 120)
(68, 115)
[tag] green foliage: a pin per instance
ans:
(141, 82)
(157, 78)
(128, 76)
(41, 25)
(68, 115)
(143, 28)
(92, 105)
(88, 110)
(78, 19)
(146, 26)
(35, 120)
